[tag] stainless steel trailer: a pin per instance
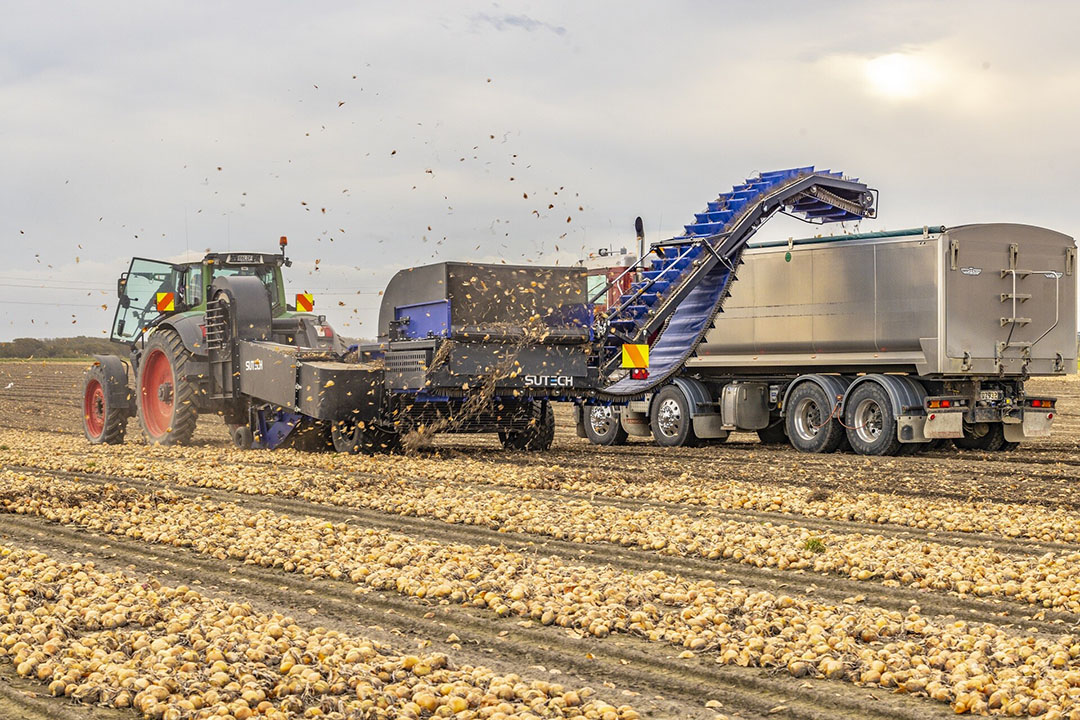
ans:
(881, 340)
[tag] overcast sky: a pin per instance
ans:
(383, 135)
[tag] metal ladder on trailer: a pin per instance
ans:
(684, 281)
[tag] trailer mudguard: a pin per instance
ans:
(835, 386)
(696, 394)
(904, 393)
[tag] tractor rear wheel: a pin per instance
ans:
(104, 422)
(165, 396)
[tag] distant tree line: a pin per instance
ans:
(81, 346)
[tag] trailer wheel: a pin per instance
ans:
(908, 449)
(603, 425)
(775, 434)
(871, 424)
(670, 420)
(102, 423)
(809, 422)
(538, 436)
(165, 397)
(985, 436)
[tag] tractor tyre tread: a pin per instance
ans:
(115, 418)
(185, 414)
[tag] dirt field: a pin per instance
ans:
(734, 580)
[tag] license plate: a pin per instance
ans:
(991, 394)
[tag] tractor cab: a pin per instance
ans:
(154, 289)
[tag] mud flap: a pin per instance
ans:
(1036, 424)
(709, 426)
(579, 420)
(911, 429)
(635, 423)
(944, 425)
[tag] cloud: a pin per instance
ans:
(116, 122)
(507, 21)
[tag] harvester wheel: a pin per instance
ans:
(309, 436)
(241, 436)
(104, 422)
(354, 438)
(537, 436)
(386, 441)
(165, 397)
(603, 425)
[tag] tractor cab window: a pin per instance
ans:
(193, 287)
(149, 291)
(265, 273)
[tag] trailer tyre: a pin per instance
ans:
(163, 393)
(809, 422)
(775, 434)
(984, 436)
(871, 423)
(538, 436)
(603, 425)
(672, 425)
(104, 422)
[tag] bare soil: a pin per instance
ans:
(650, 676)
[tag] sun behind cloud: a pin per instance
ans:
(899, 76)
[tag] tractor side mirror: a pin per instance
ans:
(121, 285)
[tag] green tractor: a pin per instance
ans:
(161, 319)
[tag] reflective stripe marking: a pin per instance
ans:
(635, 356)
(165, 302)
(305, 302)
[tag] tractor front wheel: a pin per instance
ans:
(165, 396)
(104, 420)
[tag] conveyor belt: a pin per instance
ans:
(682, 334)
(687, 300)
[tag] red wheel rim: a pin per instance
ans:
(156, 388)
(94, 409)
